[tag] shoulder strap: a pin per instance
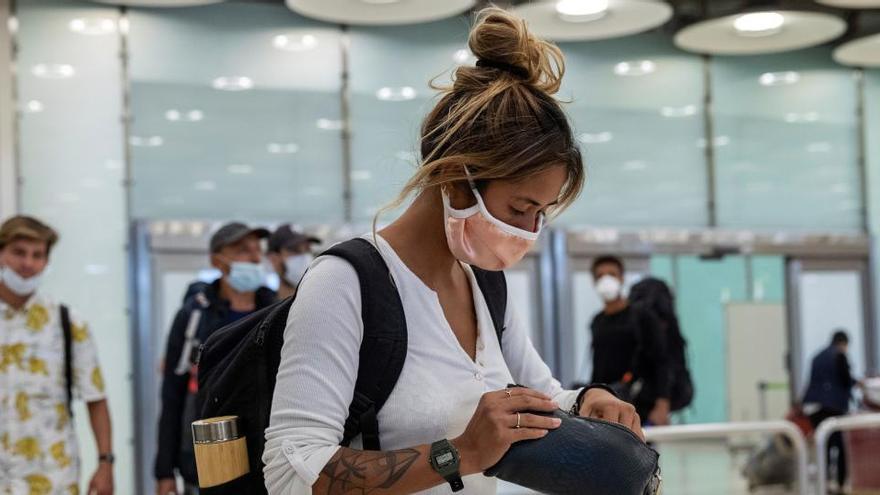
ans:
(67, 330)
(493, 285)
(384, 346)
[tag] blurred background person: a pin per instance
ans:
(829, 394)
(47, 358)
(237, 251)
(629, 346)
(290, 253)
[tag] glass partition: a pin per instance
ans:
(642, 147)
(236, 114)
(71, 157)
(785, 142)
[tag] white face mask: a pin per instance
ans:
(19, 285)
(609, 288)
(295, 267)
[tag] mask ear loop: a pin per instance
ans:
(510, 229)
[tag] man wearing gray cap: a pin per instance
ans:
(237, 252)
(291, 254)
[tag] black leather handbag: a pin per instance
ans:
(584, 456)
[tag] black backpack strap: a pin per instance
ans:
(493, 285)
(67, 331)
(384, 346)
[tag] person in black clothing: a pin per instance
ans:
(629, 347)
(237, 252)
(829, 393)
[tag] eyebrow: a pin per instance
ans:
(533, 202)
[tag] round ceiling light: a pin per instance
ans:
(861, 52)
(53, 71)
(396, 94)
(379, 12)
(581, 10)
(582, 20)
(760, 32)
(159, 3)
(233, 83)
(852, 4)
(759, 24)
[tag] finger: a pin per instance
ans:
(527, 434)
(626, 418)
(535, 421)
(612, 414)
(529, 403)
(636, 427)
(523, 391)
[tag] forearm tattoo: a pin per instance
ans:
(360, 472)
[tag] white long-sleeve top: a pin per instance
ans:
(435, 396)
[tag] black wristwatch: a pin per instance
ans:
(108, 458)
(445, 460)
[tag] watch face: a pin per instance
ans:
(444, 460)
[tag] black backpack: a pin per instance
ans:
(238, 364)
(654, 295)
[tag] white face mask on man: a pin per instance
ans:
(295, 267)
(19, 285)
(609, 288)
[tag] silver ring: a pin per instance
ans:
(509, 394)
(518, 419)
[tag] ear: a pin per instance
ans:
(460, 195)
(217, 263)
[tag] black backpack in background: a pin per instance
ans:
(238, 364)
(654, 295)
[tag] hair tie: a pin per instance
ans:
(503, 66)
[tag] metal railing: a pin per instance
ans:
(722, 430)
(824, 431)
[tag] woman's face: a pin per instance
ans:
(517, 203)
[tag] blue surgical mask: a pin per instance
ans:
(246, 277)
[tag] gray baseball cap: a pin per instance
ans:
(286, 237)
(234, 232)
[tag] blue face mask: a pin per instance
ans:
(246, 277)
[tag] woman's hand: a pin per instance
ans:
(499, 422)
(601, 404)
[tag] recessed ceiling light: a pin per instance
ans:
(295, 42)
(819, 147)
(205, 185)
(717, 142)
(801, 118)
(396, 94)
(53, 71)
(673, 112)
(634, 165)
(240, 169)
(779, 78)
(233, 83)
(463, 56)
(361, 175)
(12, 24)
(759, 24)
(175, 115)
(329, 124)
(34, 106)
(595, 138)
(282, 148)
(407, 156)
(581, 10)
(93, 27)
(635, 68)
(146, 142)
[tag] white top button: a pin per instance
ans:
(478, 376)
(289, 449)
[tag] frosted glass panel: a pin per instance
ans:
(71, 155)
(641, 146)
(385, 122)
(785, 142)
(236, 114)
(831, 300)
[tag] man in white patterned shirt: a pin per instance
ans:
(38, 338)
